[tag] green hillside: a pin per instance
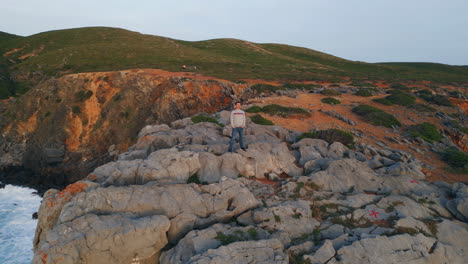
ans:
(7, 36)
(55, 53)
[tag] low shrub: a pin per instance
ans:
(227, 239)
(258, 119)
(422, 108)
(456, 94)
(383, 101)
(254, 109)
(330, 92)
(363, 92)
(427, 131)
(195, 179)
(376, 116)
(401, 99)
(301, 86)
(438, 100)
(359, 83)
(203, 118)
(83, 96)
(424, 92)
(394, 92)
(456, 159)
(262, 87)
(76, 109)
(330, 100)
(284, 111)
(331, 135)
(399, 86)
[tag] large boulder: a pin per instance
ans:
(454, 233)
(197, 242)
(323, 254)
(459, 206)
(272, 158)
(287, 220)
(166, 165)
(175, 166)
(344, 174)
(52, 205)
(188, 206)
(261, 252)
(113, 238)
(397, 249)
(311, 149)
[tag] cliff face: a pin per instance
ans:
(64, 127)
(178, 196)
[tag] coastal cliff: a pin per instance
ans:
(178, 196)
(65, 127)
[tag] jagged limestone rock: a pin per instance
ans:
(399, 248)
(199, 241)
(188, 206)
(261, 252)
(343, 174)
(323, 254)
(113, 238)
(459, 206)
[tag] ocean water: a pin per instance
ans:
(17, 204)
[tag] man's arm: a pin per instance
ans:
(243, 125)
(232, 118)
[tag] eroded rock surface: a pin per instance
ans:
(178, 196)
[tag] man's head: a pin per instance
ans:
(238, 105)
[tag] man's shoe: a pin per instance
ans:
(244, 149)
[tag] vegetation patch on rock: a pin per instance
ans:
(204, 118)
(285, 111)
(401, 99)
(437, 99)
(363, 92)
(376, 116)
(254, 109)
(422, 108)
(330, 92)
(262, 88)
(331, 100)
(331, 135)
(458, 160)
(427, 131)
(258, 119)
(383, 101)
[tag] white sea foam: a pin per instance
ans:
(17, 204)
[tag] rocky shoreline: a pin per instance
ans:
(20, 176)
(178, 196)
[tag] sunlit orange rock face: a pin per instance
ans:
(85, 113)
(461, 103)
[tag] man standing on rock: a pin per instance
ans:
(238, 125)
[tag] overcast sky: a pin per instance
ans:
(364, 30)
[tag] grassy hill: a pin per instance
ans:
(55, 53)
(7, 36)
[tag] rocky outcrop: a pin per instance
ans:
(459, 206)
(262, 252)
(400, 248)
(116, 238)
(177, 196)
(63, 128)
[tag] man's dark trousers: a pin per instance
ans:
(240, 131)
